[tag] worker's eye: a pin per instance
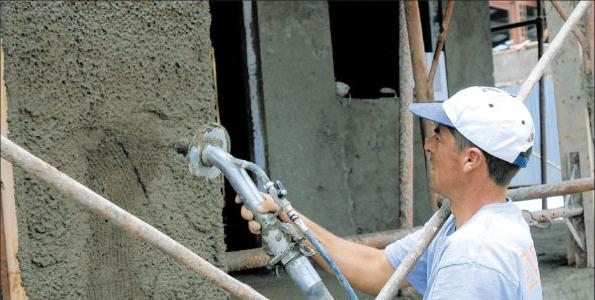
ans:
(437, 133)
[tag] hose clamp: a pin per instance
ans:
(279, 257)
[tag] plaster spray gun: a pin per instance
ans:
(209, 155)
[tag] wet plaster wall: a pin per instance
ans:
(111, 93)
(337, 157)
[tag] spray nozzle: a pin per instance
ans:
(211, 134)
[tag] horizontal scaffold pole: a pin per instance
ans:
(257, 258)
(552, 189)
(547, 215)
(123, 219)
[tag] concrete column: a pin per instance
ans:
(574, 91)
(338, 157)
(469, 47)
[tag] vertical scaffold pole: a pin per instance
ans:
(418, 63)
(406, 125)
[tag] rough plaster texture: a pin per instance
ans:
(337, 157)
(111, 93)
(468, 46)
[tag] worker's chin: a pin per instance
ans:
(435, 187)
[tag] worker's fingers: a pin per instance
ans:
(246, 214)
(268, 205)
(254, 227)
(284, 217)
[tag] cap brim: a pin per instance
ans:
(431, 111)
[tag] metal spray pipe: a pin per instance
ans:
(274, 232)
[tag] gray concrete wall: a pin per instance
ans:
(338, 157)
(468, 46)
(574, 107)
(514, 66)
(111, 93)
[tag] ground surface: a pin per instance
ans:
(559, 281)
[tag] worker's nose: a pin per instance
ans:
(429, 143)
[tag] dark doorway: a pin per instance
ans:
(227, 37)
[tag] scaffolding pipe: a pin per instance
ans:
(390, 289)
(441, 38)
(542, 105)
(567, 187)
(564, 15)
(547, 215)
(418, 62)
(405, 126)
(552, 50)
(257, 258)
(123, 219)
(553, 189)
(591, 38)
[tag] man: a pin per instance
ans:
(483, 136)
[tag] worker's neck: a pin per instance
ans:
(472, 197)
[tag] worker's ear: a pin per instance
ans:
(473, 158)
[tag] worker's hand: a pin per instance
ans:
(267, 206)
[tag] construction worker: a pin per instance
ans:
(484, 250)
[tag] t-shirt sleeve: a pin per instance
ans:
(471, 281)
(396, 252)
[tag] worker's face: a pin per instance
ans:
(445, 161)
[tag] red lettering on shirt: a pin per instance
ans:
(529, 259)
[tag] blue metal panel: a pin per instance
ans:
(532, 173)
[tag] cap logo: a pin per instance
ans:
(521, 161)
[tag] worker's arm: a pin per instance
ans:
(366, 268)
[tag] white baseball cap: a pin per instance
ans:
(490, 118)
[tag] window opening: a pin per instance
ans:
(364, 39)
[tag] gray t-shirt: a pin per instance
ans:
(490, 257)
